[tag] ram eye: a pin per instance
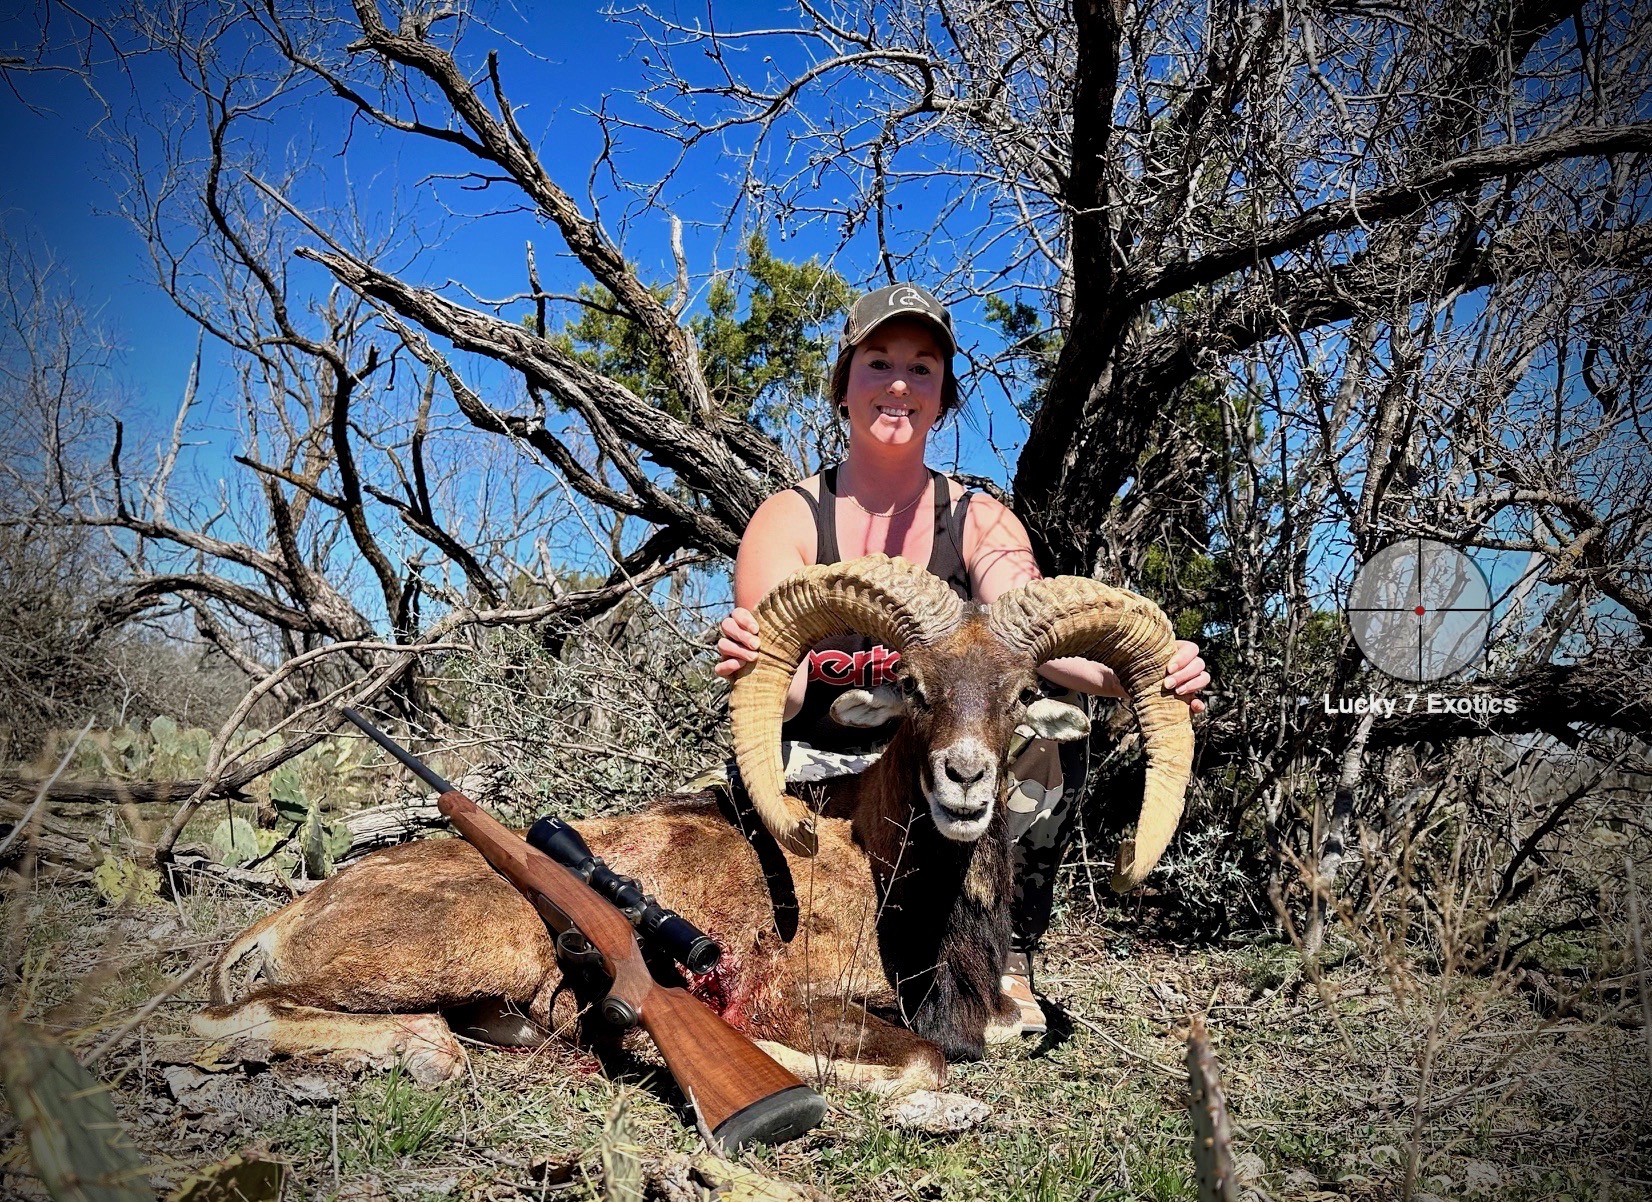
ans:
(1030, 694)
(910, 689)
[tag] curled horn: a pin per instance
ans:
(890, 600)
(1072, 615)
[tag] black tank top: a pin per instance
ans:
(853, 661)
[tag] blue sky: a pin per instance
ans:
(63, 196)
(63, 202)
(58, 200)
(63, 205)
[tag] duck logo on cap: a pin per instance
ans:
(909, 298)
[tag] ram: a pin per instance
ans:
(863, 938)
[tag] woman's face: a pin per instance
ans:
(894, 393)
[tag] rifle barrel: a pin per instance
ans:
(407, 759)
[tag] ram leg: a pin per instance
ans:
(553, 1012)
(498, 1021)
(849, 1045)
(1002, 1030)
(423, 1044)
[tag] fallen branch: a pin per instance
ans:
(100, 793)
(53, 842)
(395, 822)
(197, 861)
(25, 822)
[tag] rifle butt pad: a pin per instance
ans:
(772, 1120)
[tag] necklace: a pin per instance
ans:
(872, 513)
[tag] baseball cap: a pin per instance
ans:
(897, 300)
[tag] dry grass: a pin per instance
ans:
(1465, 1030)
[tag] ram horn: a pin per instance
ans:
(887, 599)
(1072, 615)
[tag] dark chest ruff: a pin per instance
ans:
(943, 914)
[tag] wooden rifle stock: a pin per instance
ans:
(741, 1094)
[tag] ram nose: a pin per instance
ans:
(961, 785)
(966, 770)
(964, 776)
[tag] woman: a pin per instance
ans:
(893, 383)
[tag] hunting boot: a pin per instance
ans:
(1017, 986)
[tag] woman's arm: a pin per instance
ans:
(999, 557)
(779, 540)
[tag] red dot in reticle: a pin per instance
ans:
(1421, 611)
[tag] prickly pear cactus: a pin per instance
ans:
(122, 881)
(319, 841)
(176, 753)
(234, 841)
(76, 1144)
(1208, 1108)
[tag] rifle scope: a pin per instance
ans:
(679, 938)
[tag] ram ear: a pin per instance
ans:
(1057, 720)
(868, 708)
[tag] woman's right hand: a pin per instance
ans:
(738, 646)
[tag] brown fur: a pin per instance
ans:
(874, 978)
(429, 927)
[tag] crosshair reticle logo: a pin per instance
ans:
(1420, 609)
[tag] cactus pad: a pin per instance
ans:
(76, 1144)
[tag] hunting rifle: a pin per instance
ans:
(742, 1096)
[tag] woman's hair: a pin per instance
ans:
(949, 382)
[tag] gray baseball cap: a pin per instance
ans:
(897, 300)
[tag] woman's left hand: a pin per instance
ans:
(738, 646)
(1186, 675)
